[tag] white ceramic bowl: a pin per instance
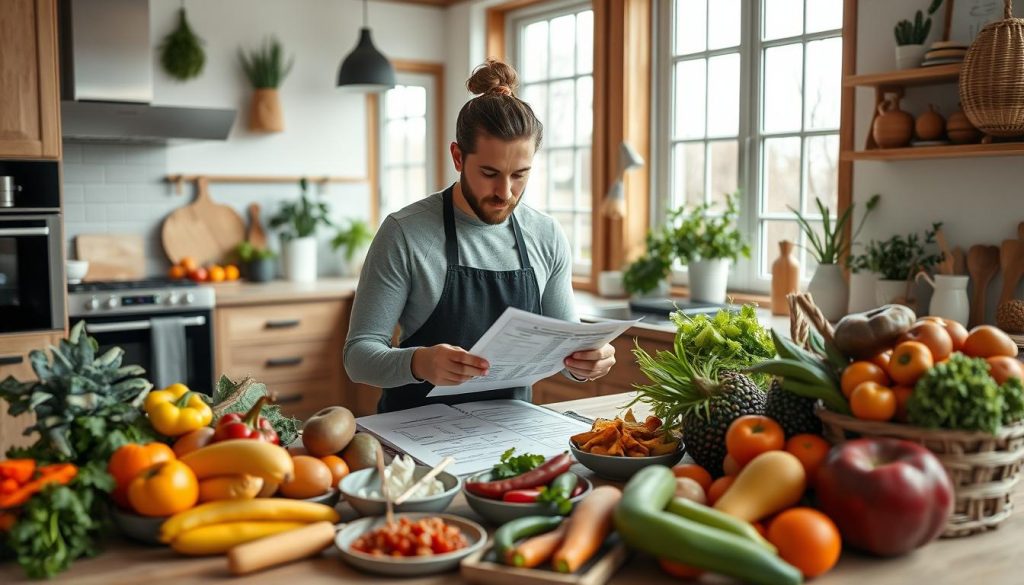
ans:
(77, 269)
(352, 484)
(475, 535)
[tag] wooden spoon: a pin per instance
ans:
(946, 265)
(959, 261)
(1012, 263)
(256, 235)
(982, 265)
(385, 491)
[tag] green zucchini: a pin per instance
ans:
(643, 523)
(505, 537)
(711, 517)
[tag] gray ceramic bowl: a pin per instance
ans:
(475, 535)
(328, 499)
(351, 486)
(141, 528)
(619, 468)
(498, 512)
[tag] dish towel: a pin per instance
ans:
(170, 357)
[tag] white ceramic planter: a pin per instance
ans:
(862, 292)
(909, 56)
(949, 300)
(300, 259)
(708, 280)
(890, 291)
(829, 290)
(609, 284)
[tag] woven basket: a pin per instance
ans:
(991, 89)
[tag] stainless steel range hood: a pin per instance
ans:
(107, 80)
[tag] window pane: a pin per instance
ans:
(724, 89)
(781, 174)
(559, 126)
(537, 96)
(583, 233)
(584, 196)
(689, 102)
(824, 15)
(566, 221)
(415, 98)
(584, 109)
(534, 65)
(585, 42)
(807, 261)
(822, 172)
(395, 138)
(537, 184)
(824, 80)
(724, 169)
(394, 189)
(691, 26)
(688, 174)
(782, 93)
(723, 24)
(416, 134)
(774, 232)
(783, 18)
(563, 45)
(563, 170)
(416, 182)
(394, 104)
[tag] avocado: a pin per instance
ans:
(361, 452)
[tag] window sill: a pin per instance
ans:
(763, 301)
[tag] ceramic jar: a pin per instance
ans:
(960, 130)
(930, 125)
(949, 300)
(829, 290)
(892, 127)
(785, 278)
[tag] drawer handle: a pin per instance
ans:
(289, 399)
(283, 324)
(11, 360)
(279, 362)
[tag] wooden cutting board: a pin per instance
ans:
(482, 567)
(203, 230)
(112, 256)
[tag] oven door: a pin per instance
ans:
(134, 334)
(31, 273)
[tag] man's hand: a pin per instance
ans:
(592, 364)
(446, 365)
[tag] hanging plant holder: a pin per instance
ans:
(265, 113)
(181, 53)
(266, 69)
(991, 90)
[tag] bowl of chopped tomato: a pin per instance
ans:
(414, 544)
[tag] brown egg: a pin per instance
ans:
(312, 478)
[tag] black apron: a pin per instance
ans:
(471, 301)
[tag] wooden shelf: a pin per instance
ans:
(929, 152)
(906, 77)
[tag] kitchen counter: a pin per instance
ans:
(241, 293)
(992, 558)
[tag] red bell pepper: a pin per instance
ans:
(527, 496)
(250, 426)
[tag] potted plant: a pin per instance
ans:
(649, 273)
(266, 69)
(257, 263)
(865, 270)
(900, 258)
(353, 240)
(910, 37)
(298, 221)
(827, 286)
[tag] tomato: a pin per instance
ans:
(910, 360)
(872, 401)
(987, 341)
(902, 394)
(806, 539)
(957, 332)
(811, 450)
(718, 487)
(749, 436)
(1003, 368)
(164, 489)
(694, 472)
(882, 360)
(933, 335)
(129, 461)
(679, 569)
(338, 468)
(858, 372)
(407, 538)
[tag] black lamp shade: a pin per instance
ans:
(365, 68)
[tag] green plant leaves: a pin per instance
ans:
(265, 67)
(181, 53)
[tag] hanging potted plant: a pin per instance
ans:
(298, 221)
(266, 69)
(181, 53)
(353, 240)
(900, 259)
(910, 37)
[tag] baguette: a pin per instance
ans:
(280, 548)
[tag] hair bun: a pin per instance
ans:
(501, 89)
(493, 77)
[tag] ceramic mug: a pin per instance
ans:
(949, 300)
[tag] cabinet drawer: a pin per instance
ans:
(264, 324)
(304, 398)
(284, 362)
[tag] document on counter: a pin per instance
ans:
(475, 434)
(523, 348)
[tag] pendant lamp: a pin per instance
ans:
(365, 68)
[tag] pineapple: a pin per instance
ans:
(794, 413)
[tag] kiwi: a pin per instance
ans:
(361, 452)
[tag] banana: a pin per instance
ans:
(241, 456)
(786, 368)
(226, 511)
(229, 487)
(220, 538)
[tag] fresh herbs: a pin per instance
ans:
(513, 465)
(650, 269)
(265, 67)
(357, 235)
(733, 340)
(240, 397)
(901, 257)
(960, 394)
(181, 53)
(832, 244)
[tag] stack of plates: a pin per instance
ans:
(945, 52)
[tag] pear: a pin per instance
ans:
(328, 431)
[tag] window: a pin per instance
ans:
(553, 51)
(752, 90)
(409, 154)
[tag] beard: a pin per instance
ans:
(483, 206)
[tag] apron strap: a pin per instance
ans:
(524, 257)
(451, 244)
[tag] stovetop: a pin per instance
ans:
(119, 285)
(139, 298)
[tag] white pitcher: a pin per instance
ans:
(949, 300)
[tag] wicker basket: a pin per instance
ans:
(984, 468)
(990, 79)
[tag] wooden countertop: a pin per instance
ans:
(240, 293)
(992, 558)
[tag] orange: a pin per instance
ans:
(933, 335)
(811, 450)
(718, 488)
(902, 394)
(749, 436)
(987, 341)
(910, 360)
(694, 472)
(338, 467)
(176, 272)
(760, 528)
(679, 569)
(189, 264)
(882, 360)
(957, 332)
(216, 273)
(231, 272)
(312, 478)
(872, 401)
(858, 372)
(806, 539)
(1003, 368)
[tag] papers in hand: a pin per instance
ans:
(523, 348)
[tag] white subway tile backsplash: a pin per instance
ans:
(134, 173)
(105, 194)
(96, 214)
(102, 154)
(154, 192)
(74, 212)
(146, 155)
(71, 153)
(83, 173)
(74, 194)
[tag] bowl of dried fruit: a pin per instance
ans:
(616, 449)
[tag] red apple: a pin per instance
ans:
(887, 496)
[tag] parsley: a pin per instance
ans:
(512, 466)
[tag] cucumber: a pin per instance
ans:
(643, 523)
(711, 517)
(505, 537)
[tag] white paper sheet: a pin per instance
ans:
(475, 434)
(523, 348)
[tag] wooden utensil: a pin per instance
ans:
(959, 261)
(1020, 230)
(423, 480)
(203, 230)
(112, 256)
(256, 236)
(982, 265)
(385, 491)
(946, 265)
(1011, 261)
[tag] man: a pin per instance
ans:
(446, 267)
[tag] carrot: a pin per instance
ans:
(590, 524)
(60, 473)
(20, 470)
(534, 551)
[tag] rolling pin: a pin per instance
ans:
(281, 548)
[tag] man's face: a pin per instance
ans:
(494, 177)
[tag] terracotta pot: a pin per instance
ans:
(892, 127)
(960, 130)
(930, 125)
(265, 114)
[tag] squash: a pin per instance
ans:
(770, 483)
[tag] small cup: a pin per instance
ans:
(609, 284)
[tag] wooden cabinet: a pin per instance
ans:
(14, 351)
(29, 98)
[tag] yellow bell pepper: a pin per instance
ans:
(176, 410)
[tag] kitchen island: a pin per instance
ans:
(992, 558)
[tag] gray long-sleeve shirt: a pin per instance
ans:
(404, 272)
